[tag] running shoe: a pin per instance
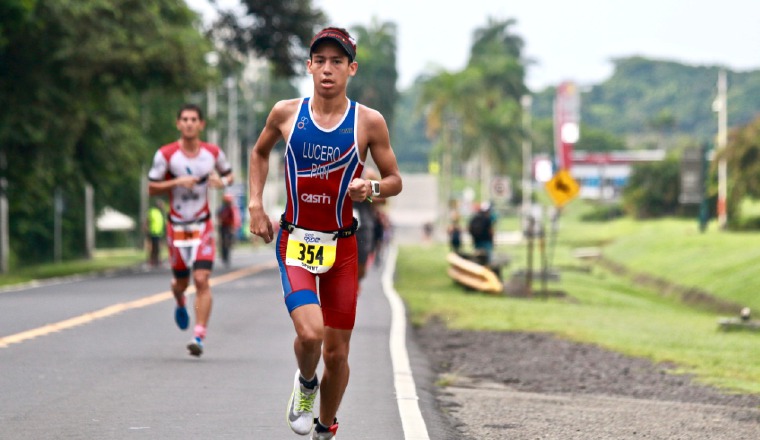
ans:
(195, 346)
(326, 435)
(181, 317)
(300, 406)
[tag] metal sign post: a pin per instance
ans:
(693, 164)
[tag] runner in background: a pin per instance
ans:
(186, 169)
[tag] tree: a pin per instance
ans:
(653, 189)
(411, 146)
(663, 124)
(74, 77)
(484, 98)
(277, 30)
(742, 155)
(375, 84)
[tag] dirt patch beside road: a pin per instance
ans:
(496, 385)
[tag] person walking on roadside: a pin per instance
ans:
(481, 230)
(455, 234)
(328, 138)
(186, 169)
(366, 213)
(229, 220)
(155, 226)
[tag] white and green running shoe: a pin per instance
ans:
(300, 407)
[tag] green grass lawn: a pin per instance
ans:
(102, 260)
(608, 310)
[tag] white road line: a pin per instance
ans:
(406, 391)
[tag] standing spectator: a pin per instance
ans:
(481, 231)
(455, 234)
(382, 233)
(155, 224)
(366, 212)
(228, 218)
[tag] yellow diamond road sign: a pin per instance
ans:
(562, 188)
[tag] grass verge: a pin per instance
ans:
(103, 260)
(611, 310)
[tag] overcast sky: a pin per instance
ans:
(567, 40)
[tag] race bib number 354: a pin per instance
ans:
(311, 250)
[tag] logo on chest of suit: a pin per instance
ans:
(315, 198)
(302, 122)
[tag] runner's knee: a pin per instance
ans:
(335, 357)
(310, 337)
(179, 284)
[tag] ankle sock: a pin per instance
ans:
(310, 384)
(319, 427)
(200, 331)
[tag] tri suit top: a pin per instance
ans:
(187, 205)
(190, 234)
(319, 164)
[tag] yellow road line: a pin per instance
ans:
(121, 307)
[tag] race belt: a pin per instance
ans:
(313, 250)
(187, 233)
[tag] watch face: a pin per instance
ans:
(376, 188)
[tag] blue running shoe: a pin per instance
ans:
(181, 318)
(195, 346)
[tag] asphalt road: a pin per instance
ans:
(101, 358)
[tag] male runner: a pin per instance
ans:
(186, 169)
(328, 138)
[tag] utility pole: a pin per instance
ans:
(212, 59)
(527, 187)
(445, 174)
(720, 106)
(89, 220)
(4, 245)
(233, 144)
(57, 225)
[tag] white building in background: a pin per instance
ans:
(602, 175)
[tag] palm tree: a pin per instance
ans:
(375, 85)
(484, 101)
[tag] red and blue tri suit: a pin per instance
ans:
(319, 165)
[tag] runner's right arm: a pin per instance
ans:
(164, 186)
(273, 131)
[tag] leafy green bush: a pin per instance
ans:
(600, 212)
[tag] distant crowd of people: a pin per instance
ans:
(374, 229)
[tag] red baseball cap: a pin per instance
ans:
(338, 35)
